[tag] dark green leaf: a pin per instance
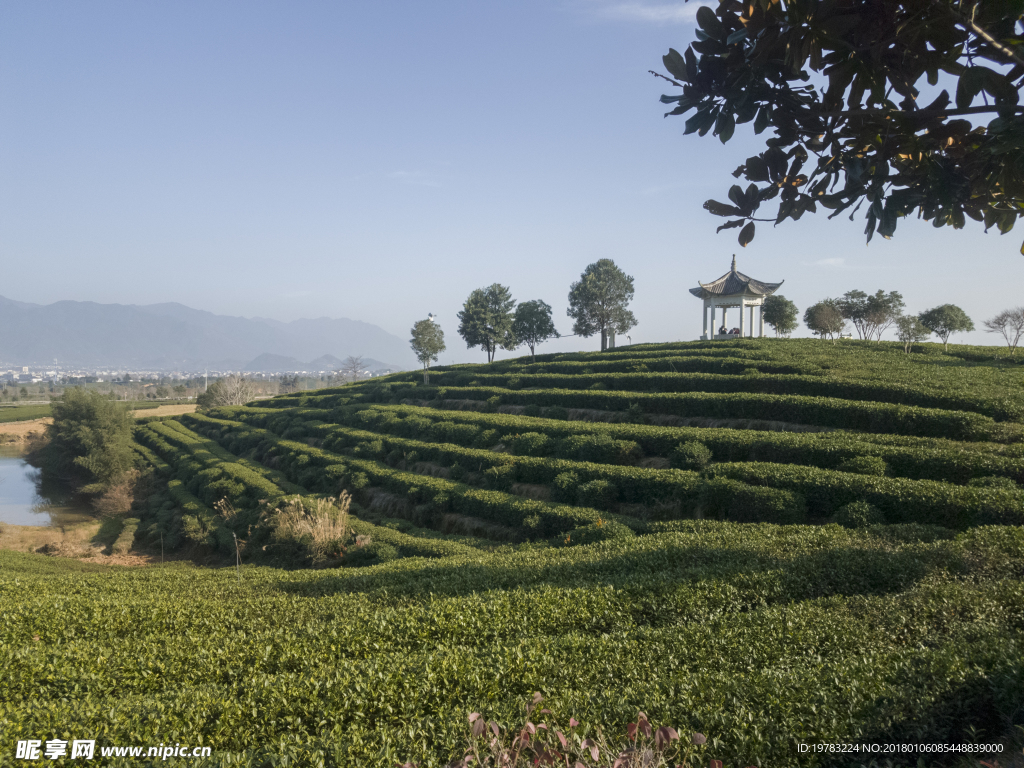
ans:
(746, 234)
(676, 65)
(721, 209)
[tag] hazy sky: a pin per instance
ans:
(379, 161)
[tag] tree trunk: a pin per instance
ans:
(604, 340)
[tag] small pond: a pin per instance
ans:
(24, 500)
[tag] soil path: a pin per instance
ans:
(17, 431)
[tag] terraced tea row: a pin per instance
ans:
(762, 638)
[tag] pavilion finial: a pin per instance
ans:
(734, 262)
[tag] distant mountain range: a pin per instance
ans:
(173, 336)
(268, 363)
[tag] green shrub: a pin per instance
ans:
(532, 411)
(556, 412)
(600, 449)
(528, 444)
(599, 494)
(865, 465)
(859, 514)
(994, 481)
(602, 530)
(692, 455)
(564, 487)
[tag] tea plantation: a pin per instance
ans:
(773, 543)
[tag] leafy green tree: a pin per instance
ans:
(486, 320)
(838, 83)
(780, 313)
(872, 314)
(910, 331)
(427, 344)
(90, 439)
(945, 320)
(532, 324)
(598, 301)
(825, 319)
(1010, 323)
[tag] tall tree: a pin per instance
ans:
(780, 313)
(945, 320)
(486, 320)
(427, 343)
(90, 439)
(532, 324)
(1010, 323)
(872, 314)
(598, 301)
(231, 390)
(840, 81)
(352, 368)
(825, 319)
(910, 331)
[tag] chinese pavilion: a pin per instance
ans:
(734, 289)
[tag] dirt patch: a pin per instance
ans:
(531, 491)
(656, 462)
(165, 410)
(20, 431)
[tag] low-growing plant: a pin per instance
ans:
(556, 412)
(865, 465)
(994, 481)
(859, 514)
(599, 494)
(564, 487)
(692, 455)
(528, 444)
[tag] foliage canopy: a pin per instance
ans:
(90, 438)
(825, 319)
(532, 324)
(780, 313)
(486, 319)
(945, 320)
(839, 82)
(427, 343)
(598, 301)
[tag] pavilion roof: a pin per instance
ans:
(734, 283)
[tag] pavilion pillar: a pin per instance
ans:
(743, 325)
(751, 321)
(725, 318)
(761, 317)
(705, 319)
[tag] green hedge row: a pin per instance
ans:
(902, 501)
(329, 472)
(207, 475)
(758, 383)
(917, 459)
(799, 409)
(633, 485)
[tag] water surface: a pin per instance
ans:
(25, 501)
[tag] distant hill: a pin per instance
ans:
(267, 363)
(173, 336)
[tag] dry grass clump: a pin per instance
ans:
(119, 496)
(324, 526)
(546, 742)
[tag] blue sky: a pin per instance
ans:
(379, 161)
